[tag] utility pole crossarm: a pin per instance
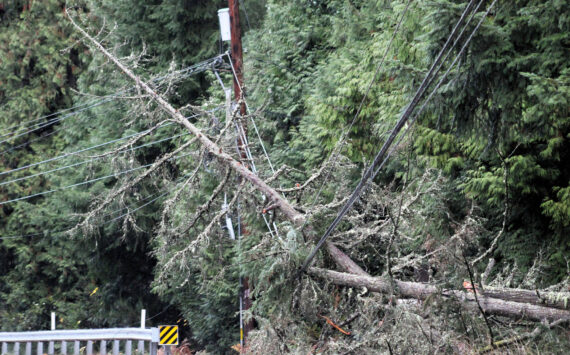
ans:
(286, 208)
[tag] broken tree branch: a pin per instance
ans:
(536, 332)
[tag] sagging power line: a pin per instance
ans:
(131, 210)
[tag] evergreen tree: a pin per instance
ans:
(502, 127)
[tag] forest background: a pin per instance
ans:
(480, 184)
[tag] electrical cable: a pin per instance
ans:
(249, 113)
(30, 141)
(416, 115)
(128, 171)
(92, 160)
(22, 236)
(66, 155)
(404, 118)
(53, 121)
(185, 72)
(205, 65)
(245, 12)
(436, 88)
(28, 123)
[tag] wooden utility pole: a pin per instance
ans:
(237, 61)
(236, 53)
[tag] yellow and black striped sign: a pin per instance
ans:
(168, 335)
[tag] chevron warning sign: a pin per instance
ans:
(168, 335)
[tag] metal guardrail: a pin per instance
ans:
(60, 341)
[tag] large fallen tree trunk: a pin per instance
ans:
(559, 300)
(422, 291)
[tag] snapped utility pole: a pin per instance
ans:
(237, 62)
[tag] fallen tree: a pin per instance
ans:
(537, 307)
(422, 291)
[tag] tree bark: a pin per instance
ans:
(422, 291)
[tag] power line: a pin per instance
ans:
(243, 136)
(66, 155)
(436, 88)
(419, 112)
(372, 170)
(249, 112)
(185, 72)
(245, 12)
(22, 236)
(128, 171)
(28, 123)
(91, 160)
(30, 141)
(210, 62)
(53, 121)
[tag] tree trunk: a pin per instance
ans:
(422, 291)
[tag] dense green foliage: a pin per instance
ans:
(485, 167)
(504, 119)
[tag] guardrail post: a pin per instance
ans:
(116, 347)
(154, 341)
(140, 346)
(17, 348)
(51, 348)
(76, 348)
(4, 348)
(64, 348)
(103, 348)
(89, 347)
(128, 347)
(40, 348)
(28, 348)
